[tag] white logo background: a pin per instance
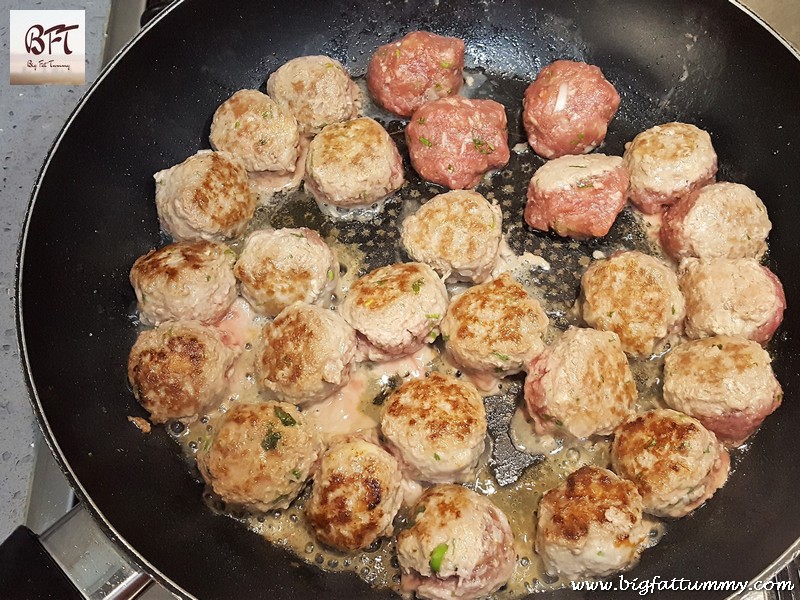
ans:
(55, 56)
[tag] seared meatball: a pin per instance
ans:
(395, 309)
(590, 525)
(668, 162)
(453, 141)
(577, 196)
(731, 296)
(581, 385)
(206, 197)
(637, 297)
(458, 234)
(252, 127)
(494, 327)
(567, 109)
(356, 495)
(437, 428)
(675, 462)
(259, 455)
(352, 165)
(721, 220)
(184, 281)
(317, 90)
(177, 371)
(306, 354)
(725, 382)
(460, 546)
(280, 266)
(417, 68)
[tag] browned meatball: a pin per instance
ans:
(178, 370)
(567, 109)
(453, 141)
(417, 68)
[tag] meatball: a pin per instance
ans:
(725, 382)
(178, 370)
(417, 68)
(581, 385)
(494, 327)
(306, 354)
(278, 267)
(637, 297)
(567, 109)
(458, 234)
(577, 196)
(721, 220)
(252, 127)
(259, 455)
(184, 281)
(356, 495)
(206, 197)
(675, 462)
(590, 525)
(668, 162)
(460, 546)
(352, 165)
(395, 309)
(317, 90)
(437, 427)
(731, 296)
(453, 141)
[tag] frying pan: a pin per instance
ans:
(92, 213)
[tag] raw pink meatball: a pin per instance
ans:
(454, 141)
(567, 109)
(577, 196)
(417, 68)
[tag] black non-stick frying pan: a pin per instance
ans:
(707, 62)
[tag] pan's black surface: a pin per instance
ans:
(93, 214)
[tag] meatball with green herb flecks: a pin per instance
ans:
(259, 456)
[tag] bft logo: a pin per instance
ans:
(48, 46)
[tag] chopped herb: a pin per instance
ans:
(433, 316)
(779, 397)
(296, 474)
(433, 335)
(436, 456)
(683, 446)
(451, 168)
(380, 282)
(600, 553)
(237, 125)
(585, 184)
(437, 86)
(230, 252)
(498, 369)
(330, 275)
(446, 338)
(578, 166)
(578, 139)
(748, 236)
(559, 422)
(445, 64)
(651, 443)
(437, 556)
(397, 53)
(160, 182)
(482, 146)
(369, 302)
(285, 418)
(267, 114)
(602, 379)
(610, 314)
(673, 310)
(262, 142)
(718, 346)
(208, 277)
(425, 141)
(422, 120)
(707, 450)
(207, 444)
(500, 356)
(270, 441)
(298, 235)
(417, 285)
(420, 509)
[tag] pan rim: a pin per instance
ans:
(42, 421)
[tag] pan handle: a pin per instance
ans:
(73, 559)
